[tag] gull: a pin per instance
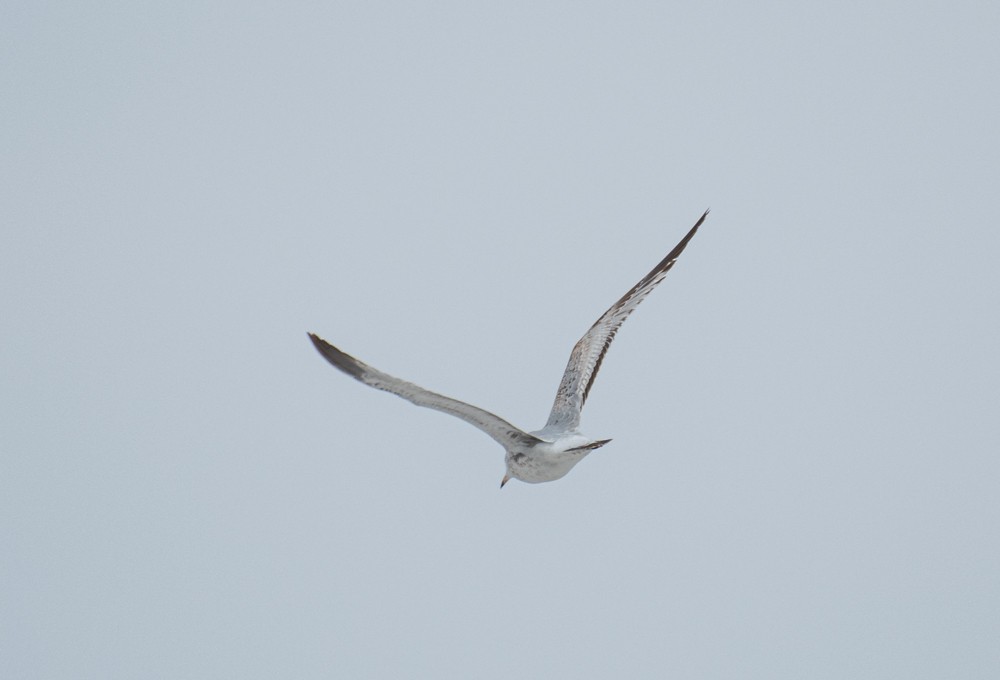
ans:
(547, 454)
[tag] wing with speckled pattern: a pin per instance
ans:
(496, 427)
(587, 355)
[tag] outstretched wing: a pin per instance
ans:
(503, 432)
(589, 352)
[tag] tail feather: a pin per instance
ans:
(589, 447)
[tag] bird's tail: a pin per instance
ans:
(589, 447)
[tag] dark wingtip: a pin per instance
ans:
(668, 261)
(344, 362)
(679, 248)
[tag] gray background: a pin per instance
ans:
(804, 476)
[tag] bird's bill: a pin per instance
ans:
(506, 478)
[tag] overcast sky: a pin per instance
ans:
(804, 480)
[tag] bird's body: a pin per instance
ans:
(551, 452)
(550, 460)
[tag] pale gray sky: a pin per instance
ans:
(804, 476)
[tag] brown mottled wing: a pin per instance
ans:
(498, 428)
(587, 355)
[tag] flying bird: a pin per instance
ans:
(547, 454)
